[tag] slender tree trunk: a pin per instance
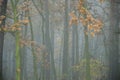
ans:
(17, 38)
(42, 68)
(87, 57)
(48, 44)
(114, 42)
(52, 55)
(86, 50)
(77, 51)
(73, 50)
(3, 7)
(47, 39)
(33, 52)
(65, 72)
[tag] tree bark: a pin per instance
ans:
(3, 7)
(114, 43)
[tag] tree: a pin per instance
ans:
(3, 6)
(66, 44)
(91, 27)
(114, 68)
(75, 50)
(50, 72)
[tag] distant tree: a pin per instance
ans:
(49, 48)
(66, 44)
(75, 46)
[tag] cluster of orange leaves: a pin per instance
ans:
(37, 48)
(91, 24)
(38, 51)
(15, 27)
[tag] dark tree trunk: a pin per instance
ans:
(114, 43)
(50, 70)
(73, 51)
(47, 41)
(65, 72)
(2, 12)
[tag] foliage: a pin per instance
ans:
(97, 69)
(91, 24)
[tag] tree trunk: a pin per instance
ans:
(65, 73)
(87, 57)
(113, 46)
(3, 7)
(47, 43)
(75, 51)
(50, 71)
